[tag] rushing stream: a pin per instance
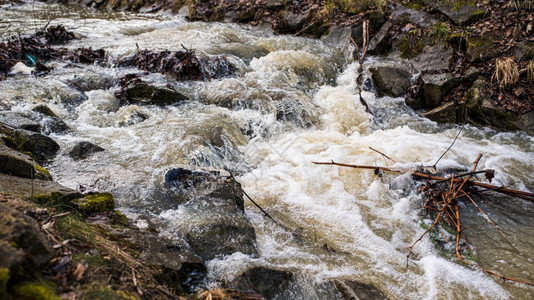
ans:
(294, 101)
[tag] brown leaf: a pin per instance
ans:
(489, 174)
(79, 271)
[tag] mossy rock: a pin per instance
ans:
(4, 278)
(95, 204)
(58, 200)
(480, 49)
(34, 291)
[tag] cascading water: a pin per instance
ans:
(295, 101)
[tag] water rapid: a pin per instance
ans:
(294, 101)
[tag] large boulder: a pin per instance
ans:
(435, 87)
(214, 221)
(269, 283)
(42, 148)
(480, 49)
(418, 17)
(390, 80)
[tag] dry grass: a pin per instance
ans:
(506, 72)
(520, 5)
(530, 70)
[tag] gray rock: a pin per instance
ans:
(417, 17)
(435, 87)
(215, 203)
(45, 110)
(390, 80)
(379, 44)
(354, 290)
(461, 13)
(148, 94)
(433, 58)
(19, 121)
(84, 149)
(472, 74)
(525, 122)
(270, 283)
(20, 235)
(54, 125)
(338, 36)
(293, 22)
(445, 113)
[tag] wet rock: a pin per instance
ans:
(84, 149)
(91, 81)
(267, 282)
(445, 113)
(461, 13)
(214, 201)
(24, 187)
(54, 125)
(24, 246)
(379, 44)
(19, 121)
(525, 122)
(42, 148)
(407, 15)
(390, 80)
(45, 110)
(435, 87)
(148, 94)
(354, 290)
(433, 58)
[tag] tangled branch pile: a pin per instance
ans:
(36, 49)
(442, 195)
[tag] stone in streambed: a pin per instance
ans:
(19, 121)
(84, 149)
(268, 282)
(390, 80)
(213, 202)
(148, 94)
(435, 87)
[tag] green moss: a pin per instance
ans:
(409, 47)
(56, 200)
(72, 226)
(98, 203)
(4, 278)
(120, 219)
(41, 170)
(35, 291)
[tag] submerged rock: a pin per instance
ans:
(267, 282)
(148, 94)
(214, 205)
(84, 149)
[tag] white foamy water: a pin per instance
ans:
(295, 102)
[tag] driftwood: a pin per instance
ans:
(442, 195)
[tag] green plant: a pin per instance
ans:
(441, 31)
